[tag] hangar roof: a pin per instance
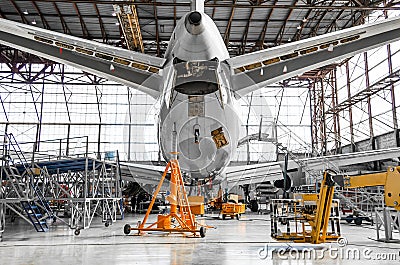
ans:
(245, 25)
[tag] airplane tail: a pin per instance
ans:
(194, 23)
(197, 5)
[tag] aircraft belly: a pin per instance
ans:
(207, 134)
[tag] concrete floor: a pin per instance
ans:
(231, 242)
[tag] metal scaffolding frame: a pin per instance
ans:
(328, 114)
(41, 188)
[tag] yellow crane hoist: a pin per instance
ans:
(308, 216)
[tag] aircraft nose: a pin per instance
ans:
(194, 18)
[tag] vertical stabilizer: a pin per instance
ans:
(197, 5)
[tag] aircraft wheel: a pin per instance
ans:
(127, 229)
(202, 231)
(223, 216)
(77, 232)
(349, 219)
(232, 216)
(358, 221)
(254, 206)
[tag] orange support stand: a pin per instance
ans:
(180, 219)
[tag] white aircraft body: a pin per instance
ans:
(197, 82)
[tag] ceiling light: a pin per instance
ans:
(114, 14)
(117, 23)
(305, 20)
(330, 48)
(289, 40)
(299, 27)
(26, 12)
(34, 22)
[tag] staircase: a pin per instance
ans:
(35, 216)
(24, 186)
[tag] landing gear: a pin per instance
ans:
(349, 219)
(254, 206)
(358, 221)
(107, 224)
(77, 232)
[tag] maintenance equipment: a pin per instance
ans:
(313, 211)
(387, 216)
(318, 209)
(180, 219)
(232, 209)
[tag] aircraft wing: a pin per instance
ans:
(144, 174)
(259, 69)
(258, 173)
(129, 68)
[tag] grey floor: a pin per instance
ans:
(230, 242)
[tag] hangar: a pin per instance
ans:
(98, 97)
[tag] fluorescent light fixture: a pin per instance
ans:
(34, 22)
(26, 12)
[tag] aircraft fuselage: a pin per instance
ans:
(197, 100)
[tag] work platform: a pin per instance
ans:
(69, 165)
(41, 192)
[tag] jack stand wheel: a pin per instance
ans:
(202, 231)
(106, 224)
(127, 229)
(77, 232)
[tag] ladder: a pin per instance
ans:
(129, 22)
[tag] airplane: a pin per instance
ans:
(198, 84)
